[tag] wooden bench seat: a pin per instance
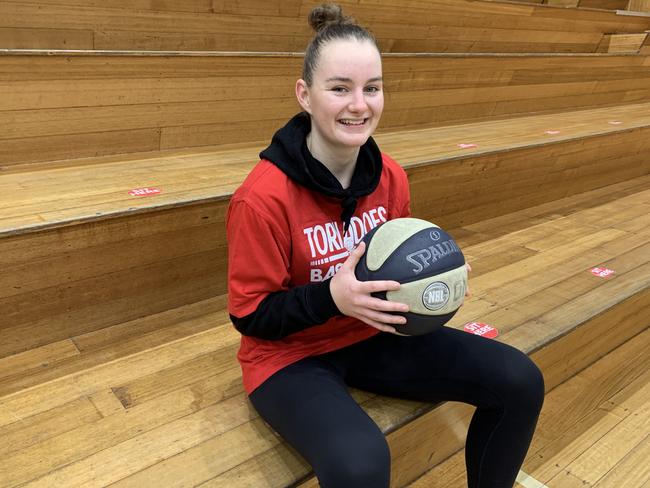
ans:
(280, 25)
(117, 361)
(79, 253)
(67, 105)
(635, 6)
(604, 4)
(159, 400)
(39, 197)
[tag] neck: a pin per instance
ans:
(341, 163)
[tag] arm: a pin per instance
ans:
(284, 312)
(262, 304)
(260, 301)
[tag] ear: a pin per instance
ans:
(302, 94)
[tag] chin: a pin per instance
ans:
(354, 140)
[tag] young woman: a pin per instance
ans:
(310, 329)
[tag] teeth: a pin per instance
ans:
(352, 122)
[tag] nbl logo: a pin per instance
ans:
(435, 296)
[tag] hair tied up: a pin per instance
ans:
(330, 25)
(328, 14)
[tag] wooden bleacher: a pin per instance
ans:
(117, 359)
(635, 7)
(621, 43)
(604, 4)
(645, 48)
(279, 25)
(620, 5)
(613, 39)
(74, 400)
(125, 102)
(193, 345)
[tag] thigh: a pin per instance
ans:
(309, 405)
(448, 364)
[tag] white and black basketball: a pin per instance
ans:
(428, 264)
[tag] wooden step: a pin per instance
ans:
(523, 235)
(621, 43)
(645, 48)
(627, 8)
(621, 7)
(165, 403)
(39, 198)
(400, 26)
(604, 4)
(60, 105)
(639, 6)
(584, 428)
(82, 257)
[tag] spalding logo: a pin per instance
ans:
(435, 296)
(435, 235)
(424, 257)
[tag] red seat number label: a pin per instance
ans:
(483, 330)
(602, 272)
(145, 192)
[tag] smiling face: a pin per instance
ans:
(345, 99)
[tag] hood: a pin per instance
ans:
(288, 151)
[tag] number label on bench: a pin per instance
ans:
(602, 272)
(483, 330)
(145, 192)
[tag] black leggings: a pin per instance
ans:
(308, 404)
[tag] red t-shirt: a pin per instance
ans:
(281, 235)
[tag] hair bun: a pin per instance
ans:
(328, 14)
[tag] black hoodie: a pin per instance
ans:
(286, 312)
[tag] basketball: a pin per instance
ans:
(428, 264)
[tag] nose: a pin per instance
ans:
(358, 101)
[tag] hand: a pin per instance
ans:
(353, 297)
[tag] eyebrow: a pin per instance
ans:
(349, 80)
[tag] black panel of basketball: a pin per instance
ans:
(428, 261)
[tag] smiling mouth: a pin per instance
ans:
(353, 123)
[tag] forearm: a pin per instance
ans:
(285, 312)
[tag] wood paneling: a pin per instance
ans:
(65, 107)
(74, 280)
(52, 38)
(400, 26)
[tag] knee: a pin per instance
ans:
(358, 467)
(525, 383)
